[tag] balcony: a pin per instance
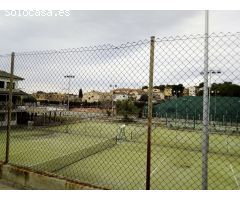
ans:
(7, 90)
(4, 107)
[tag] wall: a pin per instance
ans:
(43, 181)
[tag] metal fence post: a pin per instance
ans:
(150, 97)
(205, 137)
(9, 115)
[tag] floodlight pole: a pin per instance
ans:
(209, 95)
(69, 87)
(176, 112)
(205, 136)
(113, 86)
(215, 104)
(210, 72)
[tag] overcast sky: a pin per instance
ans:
(176, 62)
(85, 28)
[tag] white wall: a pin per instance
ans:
(8, 80)
(120, 97)
(4, 123)
(192, 91)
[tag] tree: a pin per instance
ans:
(29, 99)
(40, 92)
(177, 89)
(227, 89)
(161, 87)
(156, 87)
(200, 85)
(80, 95)
(223, 89)
(141, 103)
(144, 87)
(126, 108)
(143, 98)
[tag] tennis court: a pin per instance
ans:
(48, 150)
(176, 163)
(91, 152)
(171, 169)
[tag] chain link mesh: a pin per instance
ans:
(82, 113)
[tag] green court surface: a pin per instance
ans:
(31, 148)
(176, 155)
(124, 167)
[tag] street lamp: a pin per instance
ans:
(210, 73)
(114, 87)
(69, 77)
(176, 93)
(176, 112)
(215, 103)
(186, 110)
(69, 85)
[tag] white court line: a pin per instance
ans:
(157, 167)
(154, 170)
(234, 175)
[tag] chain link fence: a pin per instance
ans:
(128, 116)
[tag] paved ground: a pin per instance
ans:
(6, 185)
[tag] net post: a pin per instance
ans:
(9, 114)
(150, 97)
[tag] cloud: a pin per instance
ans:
(177, 61)
(86, 28)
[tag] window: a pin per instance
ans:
(2, 83)
(2, 117)
(14, 117)
(8, 85)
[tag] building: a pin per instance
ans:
(167, 92)
(192, 91)
(158, 94)
(54, 97)
(121, 94)
(96, 96)
(43, 97)
(185, 92)
(17, 97)
(105, 97)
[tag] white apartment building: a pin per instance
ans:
(4, 96)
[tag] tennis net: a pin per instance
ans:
(73, 157)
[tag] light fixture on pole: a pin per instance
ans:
(210, 73)
(215, 104)
(69, 77)
(69, 85)
(114, 87)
